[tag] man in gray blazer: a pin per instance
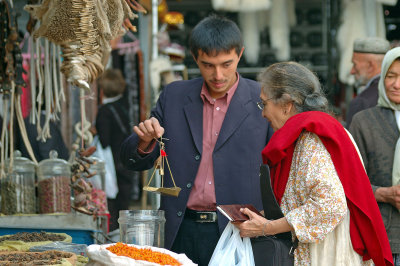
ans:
(215, 135)
(376, 132)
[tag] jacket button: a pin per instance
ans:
(179, 213)
(189, 185)
(197, 157)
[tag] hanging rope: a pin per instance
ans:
(39, 75)
(32, 78)
(22, 127)
(45, 133)
(10, 166)
(55, 79)
(3, 143)
(60, 74)
(46, 83)
(82, 128)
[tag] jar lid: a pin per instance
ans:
(54, 165)
(21, 164)
(141, 215)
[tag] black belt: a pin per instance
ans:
(201, 216)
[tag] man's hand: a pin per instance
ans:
(389, 195)
(149, 129)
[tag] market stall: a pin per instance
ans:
(49, 74)
(66, 47)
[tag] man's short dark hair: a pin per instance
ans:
(215, 34)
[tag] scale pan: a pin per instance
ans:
(166, 191)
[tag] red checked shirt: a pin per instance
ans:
(202, 196)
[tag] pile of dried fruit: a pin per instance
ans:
(50, 257)
(146, 254)
(33, 237)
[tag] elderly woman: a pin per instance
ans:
(317, 177)
(376, 132)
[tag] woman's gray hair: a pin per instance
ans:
(286, 82)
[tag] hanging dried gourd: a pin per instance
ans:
(83, 29)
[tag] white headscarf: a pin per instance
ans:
(383, 101)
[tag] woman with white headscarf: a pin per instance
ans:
(376, 132)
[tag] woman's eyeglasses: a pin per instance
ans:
(262, 104)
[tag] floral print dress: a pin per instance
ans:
(314, 204)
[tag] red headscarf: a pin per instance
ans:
(367, 232)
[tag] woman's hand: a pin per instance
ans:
(259, 226)
(252, 227)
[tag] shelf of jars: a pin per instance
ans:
(43, 197)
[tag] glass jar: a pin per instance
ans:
(18, 186)
(142, 227)
(98, 193)
(54, 191)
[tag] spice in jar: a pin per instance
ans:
(17, 197)
(55, 195)
(146, 254)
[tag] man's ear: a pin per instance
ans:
(241, 52)
(371, 65)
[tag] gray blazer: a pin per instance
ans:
(375, 132)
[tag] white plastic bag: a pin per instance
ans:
(105, 154)
(232, 250)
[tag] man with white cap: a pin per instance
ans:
(367, 58)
